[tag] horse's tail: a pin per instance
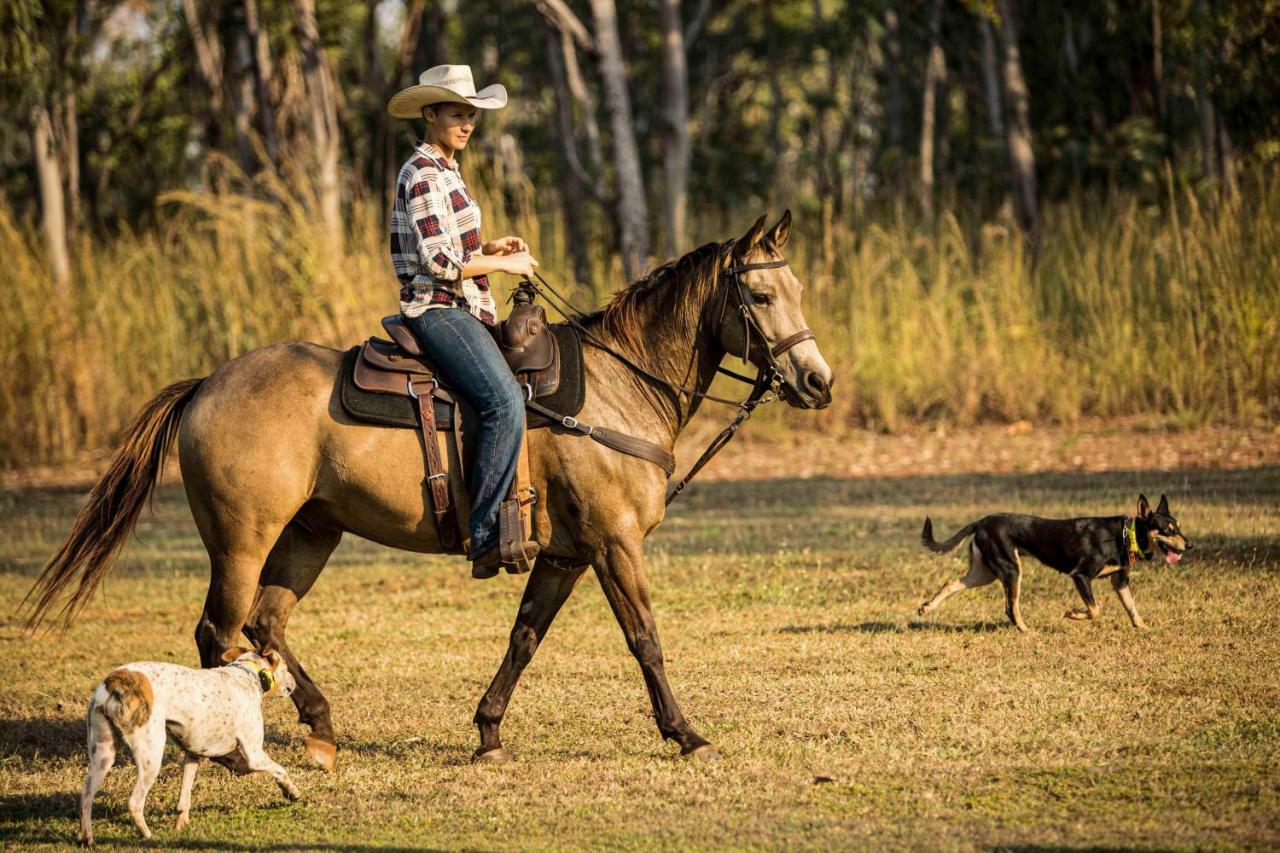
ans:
(113, 508)
(926, 536)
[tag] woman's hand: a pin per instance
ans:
(517, 263)
(504, 246)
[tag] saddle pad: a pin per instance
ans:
(393, 410)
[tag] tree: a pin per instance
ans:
(675, 130)
(633, 216)
(323, 110)
(935, 73)
(1022, 160)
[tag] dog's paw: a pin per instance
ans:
(923, 609)
(181, 823)
(84, 840)
(291, 793)
(1079, 615)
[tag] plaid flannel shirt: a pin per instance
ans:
(435, 229)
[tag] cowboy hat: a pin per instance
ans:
(445, 84)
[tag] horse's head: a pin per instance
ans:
(760, 316)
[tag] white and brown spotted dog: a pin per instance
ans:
(206, 712)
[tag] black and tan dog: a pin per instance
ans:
(1084, 548)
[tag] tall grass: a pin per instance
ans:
(1120, 309)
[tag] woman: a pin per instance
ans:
(445, 299)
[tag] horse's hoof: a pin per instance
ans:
(706, 752)
(322, 752)
(497, 755)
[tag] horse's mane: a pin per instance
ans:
(676, 290)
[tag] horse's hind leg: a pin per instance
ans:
(292, 567)
(978, 575)
(546, 591)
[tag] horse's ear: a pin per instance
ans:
(778, 234)
(1144, 508)
(748, 241)
(1163, 506)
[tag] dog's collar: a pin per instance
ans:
(266, 678)
(1130, 536)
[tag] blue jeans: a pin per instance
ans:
(471, 362)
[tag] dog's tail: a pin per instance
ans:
(129, 699)
(926, 537)
(113, 508)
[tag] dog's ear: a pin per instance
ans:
(1163, 507)
(1144, 508)
(272, 657)
(232, 653)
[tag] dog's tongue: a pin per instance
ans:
(1172, 557)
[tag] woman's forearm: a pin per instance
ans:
(479, 264)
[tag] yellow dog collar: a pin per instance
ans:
(266, 678)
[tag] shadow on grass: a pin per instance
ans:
(113, 827)
(895, 628)
(34, 740)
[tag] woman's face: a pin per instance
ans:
(451, 125)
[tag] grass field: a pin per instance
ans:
(786, 610)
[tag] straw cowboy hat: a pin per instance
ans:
(445, 84)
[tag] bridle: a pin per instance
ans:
(764, 387)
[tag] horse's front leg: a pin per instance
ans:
(620, 569)
(547, 590)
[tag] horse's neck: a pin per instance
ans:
(683, 358)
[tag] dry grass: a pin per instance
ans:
(1170, 311)
(785, 608)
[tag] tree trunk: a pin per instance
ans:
(934, 70)
(574, 187)
(324, 118)
(209, 66)
(991, 79)
(675, 89)
(242, 99)
(1204, 104)
(263, 79)
(893, 78)
(632, 208)
(53, 215)
(1022, 159)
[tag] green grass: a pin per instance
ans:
(786, 611)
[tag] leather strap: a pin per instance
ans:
(726, 435)
(791, 340)
(614, 440)
(437, 477)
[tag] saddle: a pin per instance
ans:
(400, 368)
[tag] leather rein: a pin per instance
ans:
(763, 388)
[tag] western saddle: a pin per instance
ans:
(398, 366)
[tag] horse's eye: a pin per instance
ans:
(761, 298)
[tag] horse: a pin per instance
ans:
(276, 473)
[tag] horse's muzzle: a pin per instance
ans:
(813, 393)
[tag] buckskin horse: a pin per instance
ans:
(275, 472)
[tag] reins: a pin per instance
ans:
(767, 379)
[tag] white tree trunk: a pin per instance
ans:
(934, 71)
(53, 214)
(1022, 158)
(675, 87)
(633, 214)
(324, 118)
